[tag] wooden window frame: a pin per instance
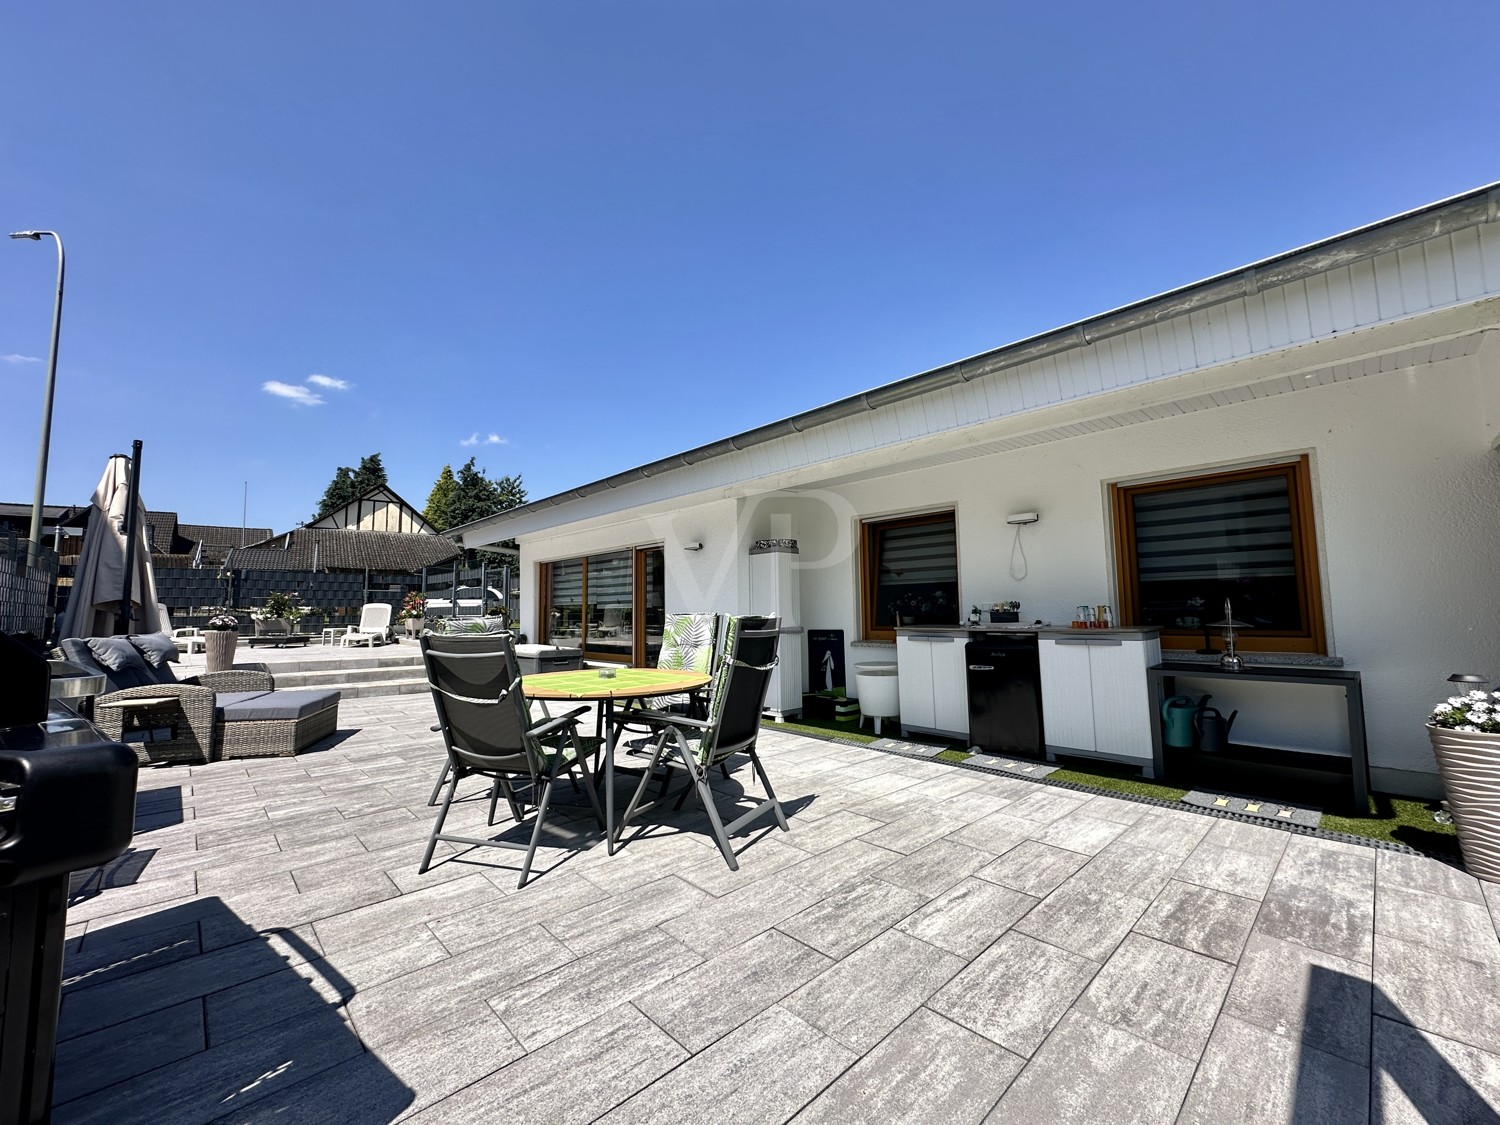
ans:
(869, 631)
(637, 656)
(1298, 476)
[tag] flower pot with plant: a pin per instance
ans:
(1465, 734)
(414, 612)
(219, 639)
(280, 614)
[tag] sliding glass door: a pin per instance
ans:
(611, 605)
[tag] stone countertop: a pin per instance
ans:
(1126, 632)
(1257, 659)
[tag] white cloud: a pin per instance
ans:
(21, 358)
(300, 396)
(330, 382)
(472, 439)
(494, 439)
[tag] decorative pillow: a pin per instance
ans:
(123, 664)
(157, 648)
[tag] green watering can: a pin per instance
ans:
(1177, 722)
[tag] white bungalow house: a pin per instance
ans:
(1314, 435)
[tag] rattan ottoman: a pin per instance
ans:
(274, 724)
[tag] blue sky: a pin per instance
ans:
(584, 235)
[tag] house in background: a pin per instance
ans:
(377, 531)
(380, 509)
(1314, 434)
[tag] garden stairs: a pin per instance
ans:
(356, 672)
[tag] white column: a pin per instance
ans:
(774, 589)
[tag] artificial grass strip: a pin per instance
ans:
(1399, 820)
(849, 732)
(1118, 783)
(953, 756)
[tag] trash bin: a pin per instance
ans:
(548, 658)
(67, 802)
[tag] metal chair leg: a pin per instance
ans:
(536, 830)
(442, 777)
(438, 827)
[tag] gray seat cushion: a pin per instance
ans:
(225, 699)
(274, 704)
(133, 671)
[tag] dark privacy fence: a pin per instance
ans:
(188, 594)
(25, 586)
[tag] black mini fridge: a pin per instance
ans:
(1005, 695)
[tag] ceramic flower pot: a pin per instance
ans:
(218, 647)
(1469, 762)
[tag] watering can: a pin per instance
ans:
(1177, 722)
(1213, 728)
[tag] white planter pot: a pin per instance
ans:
(1469, 762)
(218, 649)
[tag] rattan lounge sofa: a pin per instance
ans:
(166, 720)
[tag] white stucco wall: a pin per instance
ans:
(1407, 491)
(1406, 487)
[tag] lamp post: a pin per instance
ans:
(34, 555)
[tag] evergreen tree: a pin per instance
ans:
(370, 475)
(476, 495)
(440, 500)
(339, 493)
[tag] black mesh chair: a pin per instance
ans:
(487, 728)
(736, 700)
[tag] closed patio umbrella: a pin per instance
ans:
(99, 577)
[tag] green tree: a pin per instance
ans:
(369, 476)
(339, 493)
(476, 495)
(348, 485)
(440, 500)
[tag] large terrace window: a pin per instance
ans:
(610, 605)
(1182, 546)
(909, 570)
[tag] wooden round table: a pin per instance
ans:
(587, 686)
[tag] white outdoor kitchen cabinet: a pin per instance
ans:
(1096, 701)
(934, 681)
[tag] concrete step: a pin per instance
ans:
(381, 687)
(399, 663)
(340, 677)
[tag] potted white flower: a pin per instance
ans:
(280, 614)
(219, 639)
(1465, 734)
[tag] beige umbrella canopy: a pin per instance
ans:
(99, 578)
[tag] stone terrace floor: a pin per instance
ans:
(927, 944)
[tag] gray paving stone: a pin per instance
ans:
(968, 917)
(909, 833)
(1457, 926)
(829, 832)
(761, 1073)
(928, 1070)
(1116, 809)
(1045, 805)
(107, 954)
(1257, 839)
(712, 999)
(355, 927)
(1430, 876)
(1079, 832)
(1303, 993)
(1437, 991)
(765, 856)
(1200, 919)
(1015, 992)
(1323, 898)
(725, 922)
(541, 901)
(1164, 994)
(402, 1006)
(592, 927)
(1254, 1076)
(539, 1010)
(996, 833)
(208, 1083)
(1144, 871)
(844, 921)
(102, 1058)
(931, 870)
(1033, 868)
(862, 998)
(1085, 917)
(1175, 833)
(1424, 1078)
(839, 867)
(570, 1081)
(1228, 869)
(1105, 1076)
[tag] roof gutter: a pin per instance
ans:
(1459, 212)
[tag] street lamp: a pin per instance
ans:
(35, 553)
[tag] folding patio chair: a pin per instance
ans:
(488, 732)
(733, 724)
(374, 626)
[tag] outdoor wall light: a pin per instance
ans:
(1467, 681)
(693, 546)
